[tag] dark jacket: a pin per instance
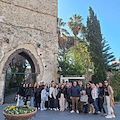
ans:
(68, 92)
(82, 88)
(27, 91)
(21, 91)
(37, 95)
(61, 91)
(101, 92)
(75, 91)
(88, 93)
(31, 92)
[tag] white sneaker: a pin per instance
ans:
(42, 109)
(98, 111)
(57, 109)
(113, 115)
(108, 116)
(45, 109)
(54, 109)
(77, 111)
(72, 111)
(51, 109)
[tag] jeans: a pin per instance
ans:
(85, 108)
(95, 104)
(43, 103)
(21, 103)
(32, 102)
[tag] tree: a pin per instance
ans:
(95, 47)
(75, 61)
(61, 31)
(108, 56)
(115, 83)
(75, 25)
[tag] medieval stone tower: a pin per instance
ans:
(28, 28)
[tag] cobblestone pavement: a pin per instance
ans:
(56, 115)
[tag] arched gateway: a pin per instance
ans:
(28, 42)
(16, 73)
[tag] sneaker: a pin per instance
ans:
(45, 108)
(77, 111)
(98, 111)
(113, 115)
(54, 109)
(72, 111)
(42, 109)
(108, 116)
(105, 114)
(57, 109)
(51, 109)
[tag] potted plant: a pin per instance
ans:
(19, 112)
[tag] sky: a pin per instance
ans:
(107, 11)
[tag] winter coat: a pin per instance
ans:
(51, 92)
(43, 94)
(55, 93)
(61, 91)
(110, 91)
(101, 92)
(88, 92)
(21, 91)
(75, 91)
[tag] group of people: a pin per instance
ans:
(69, 96)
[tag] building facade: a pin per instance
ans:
(28, 28)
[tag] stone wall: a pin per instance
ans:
(29, 24)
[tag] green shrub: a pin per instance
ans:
(16, 110)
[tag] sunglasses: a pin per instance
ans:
(105, 82)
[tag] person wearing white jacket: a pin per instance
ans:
(94, 94)
(43, 98)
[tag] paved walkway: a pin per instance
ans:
(9, 98)
(56, 115)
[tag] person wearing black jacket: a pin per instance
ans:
(27, 93)
(31, 90)
(25, 99)
(80, 84)
(101, 98)
(61, 97)
(21, 93)
(75, 96)
(37, 96)
(68, 97)
(90, 99)
(66, 103)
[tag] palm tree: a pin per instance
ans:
(61, 31)
(75, 25)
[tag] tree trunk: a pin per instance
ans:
(75, 41)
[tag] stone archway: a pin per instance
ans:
(26, 54)
(32, 61)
